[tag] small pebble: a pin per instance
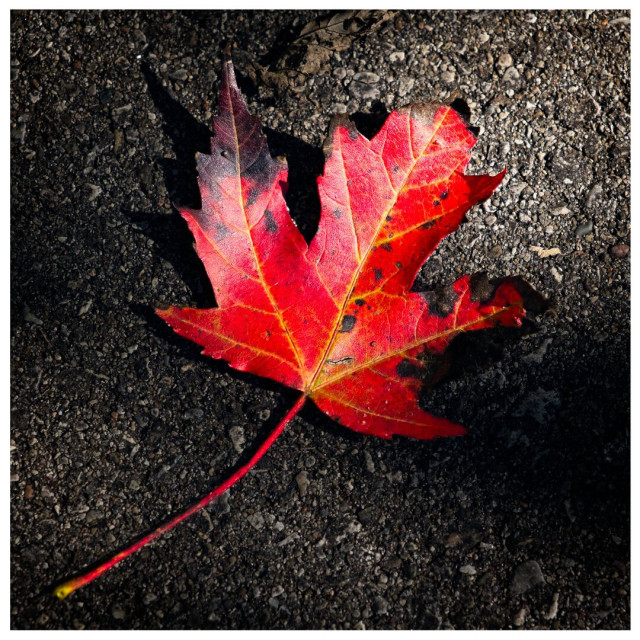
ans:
(29, 317)
(381, 606)
(118, 612)
(95, 191)
(302, 479)
(553, 609)
(505, 61)
(527, 575)
(593, 194)
(179, 74)
(366, 77)
(93, 516)
(468, 570)
(520, 617)
(511, 75)
(237, 438)
(368, 461)
(256, 520)
(448, 77)
(620, 250)
(584, 228)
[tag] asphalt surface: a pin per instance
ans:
(118, 423)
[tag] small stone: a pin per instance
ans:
(302, 479)
(85, 307)
(256, 520)
(381, 606)
(179, 74)
(353, 527)
(520, 617)
(118, 612)
(28, 492)
(368, 462)
(93, 516)
(95, 191)
(405, 85)
(364, 91)
(396, 57)
(511, 75)
(453, 540)
(560, 211)
(237, 438)
(531, 18)
(468, 570)
(448, 77)
(505, 61)
(118, 138)
(553, 609)
(29, 317)
(556, 274)
(366, 77)
(592, 196)
(584, 228)
(620, 250)
(527, 575)
(490, 221)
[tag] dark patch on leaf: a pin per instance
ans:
(407, 369)
(386, 246)
(360, 302)
(436, 203)
(389, 218)
(398, 265)
(252, 196)
(259, 171)
(378, 274)
(441, 301)
(269, 222)
(443, 195)
(222, 231)
(428, 224)
(348, 322)
(337, 213)
(482, 290)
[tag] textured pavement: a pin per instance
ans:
(117, 423)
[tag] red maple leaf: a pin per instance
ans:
(336, 319)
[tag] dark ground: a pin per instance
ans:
(117, 422)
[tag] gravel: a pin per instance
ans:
(117, 423)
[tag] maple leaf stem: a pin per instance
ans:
(66, 588)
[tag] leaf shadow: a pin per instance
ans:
(188, 137)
